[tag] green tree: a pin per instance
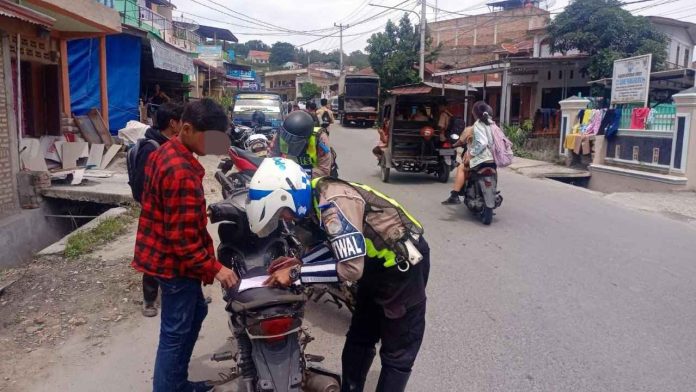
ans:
(256, 44)
(358, 59)
(394, 52)
(310, 90)
(606, 32)
(281, 53)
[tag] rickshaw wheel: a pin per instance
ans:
(443, 173)
(384, 172)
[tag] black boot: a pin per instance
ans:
(453, 199)
(356, 362)
(392, 380)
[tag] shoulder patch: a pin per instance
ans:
(346, 241)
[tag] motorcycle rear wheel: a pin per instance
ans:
(486, 215)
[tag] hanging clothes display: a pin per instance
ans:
(595, 121)
(638, 117)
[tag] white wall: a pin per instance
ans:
(677, 38)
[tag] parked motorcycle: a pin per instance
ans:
(234, 191)
(265, 321)
(481, 195)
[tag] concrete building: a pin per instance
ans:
(512, 31)
(287, 83)
(34, 95)
(681, 39)
(258, 57)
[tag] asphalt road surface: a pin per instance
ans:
(565, 291)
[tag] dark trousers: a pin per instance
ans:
(182, 314)
(401, 334)
(150, 288)
(401, 338)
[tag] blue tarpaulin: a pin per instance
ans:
(123, 77)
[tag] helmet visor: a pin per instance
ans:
(290, 144)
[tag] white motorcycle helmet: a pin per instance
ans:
(258, 144)
(277, 184)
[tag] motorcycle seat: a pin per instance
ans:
(248, 155)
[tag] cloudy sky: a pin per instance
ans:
(311, 22)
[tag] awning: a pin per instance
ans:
(411, 90)
(168, 58)
(16, 11)
(428, 87)
(216, 33)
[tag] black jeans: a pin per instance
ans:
(150, 287)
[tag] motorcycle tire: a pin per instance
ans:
(486, 216)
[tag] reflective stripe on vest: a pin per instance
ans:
(308, 159)
(387, 254)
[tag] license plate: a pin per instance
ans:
(447, 151)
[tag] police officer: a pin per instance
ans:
(300, 140)
(370, 239)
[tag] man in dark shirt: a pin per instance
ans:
(173, 243)
(168, 122)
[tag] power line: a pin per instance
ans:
(333, 34)
(254, 21)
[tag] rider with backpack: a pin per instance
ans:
(487, 146)
(167, 125)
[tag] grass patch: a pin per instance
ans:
(85, 241)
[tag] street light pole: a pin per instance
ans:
(421, 22)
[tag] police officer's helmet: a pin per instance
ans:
(299, 124)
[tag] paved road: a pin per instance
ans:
(565, 291)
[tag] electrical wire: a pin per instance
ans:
(381, 13)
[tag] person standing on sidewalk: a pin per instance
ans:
(173, 243)
(167, 124)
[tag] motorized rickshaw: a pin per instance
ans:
(410, 121)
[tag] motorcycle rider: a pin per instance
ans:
(373, 241)
(300, 140)
(479, 139)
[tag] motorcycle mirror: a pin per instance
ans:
(454, 137)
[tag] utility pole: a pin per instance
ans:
(421, 68)
(340, 30)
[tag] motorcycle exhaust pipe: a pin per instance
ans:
(315, 382)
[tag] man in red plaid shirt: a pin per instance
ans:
(173, 243)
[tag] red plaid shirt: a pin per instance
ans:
(172, 238)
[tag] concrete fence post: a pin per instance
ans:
(683, 142)
(569, 113)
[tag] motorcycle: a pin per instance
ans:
(265, 321)
(234, 187)
(481, 195)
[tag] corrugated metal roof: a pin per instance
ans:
(411, 90)
(25, 14)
